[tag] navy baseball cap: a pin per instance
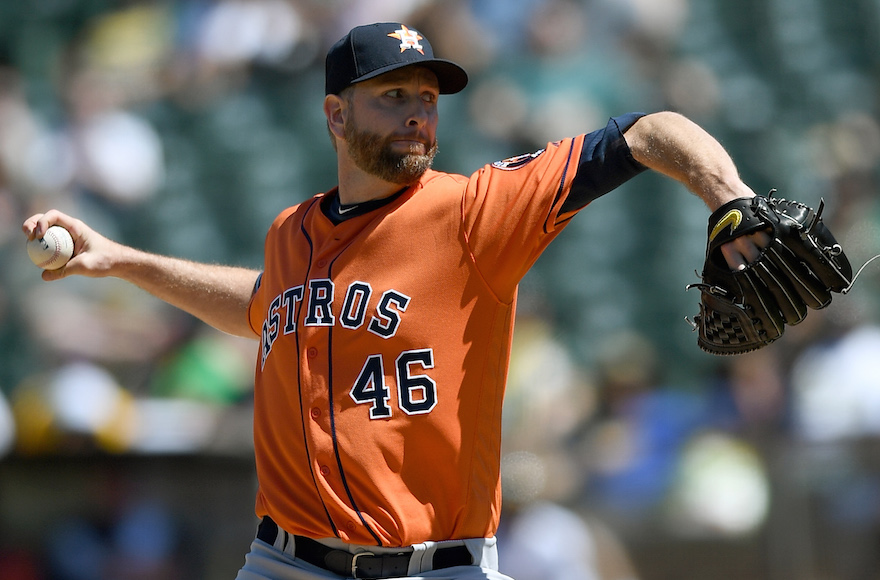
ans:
(374, 49)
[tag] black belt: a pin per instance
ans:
(364, 564)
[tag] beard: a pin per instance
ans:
(374, 154)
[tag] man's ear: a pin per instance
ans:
(335, 111)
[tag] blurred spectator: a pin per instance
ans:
(78, 408)
(206, 366)
(139, 543)
(635, 443)
(673, 458)
(117, 154)
(543, 539)
(24, 144)
(721, 489)
(837, 422)
(112, 325)
(236, 33)
(836, 395)
(749, 396)
(548, 398)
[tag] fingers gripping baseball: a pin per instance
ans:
(92, 253)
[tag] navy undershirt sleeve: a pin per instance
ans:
(606, 163)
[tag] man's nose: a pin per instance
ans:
(418, 114)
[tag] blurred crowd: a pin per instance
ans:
(184, 126)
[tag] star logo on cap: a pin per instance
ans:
(408, 39)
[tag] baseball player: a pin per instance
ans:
(384, 311)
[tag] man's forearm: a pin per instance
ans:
(217, 295)
(677, 147)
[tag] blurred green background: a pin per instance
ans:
(183, 127)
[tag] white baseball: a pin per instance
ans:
(53, 250)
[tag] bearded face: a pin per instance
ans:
(375, 155)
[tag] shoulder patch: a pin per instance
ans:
(512, 163)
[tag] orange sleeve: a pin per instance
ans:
(511, 211)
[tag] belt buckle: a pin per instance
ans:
(354, 559)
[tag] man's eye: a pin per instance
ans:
(429, 97)
(394, 93)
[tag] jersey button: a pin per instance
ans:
(322, 263)
(325, 471)
(316, 412)
(312, 352)
(351, 526)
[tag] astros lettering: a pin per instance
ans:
(284, 310)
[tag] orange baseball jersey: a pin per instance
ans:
(385, 338)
